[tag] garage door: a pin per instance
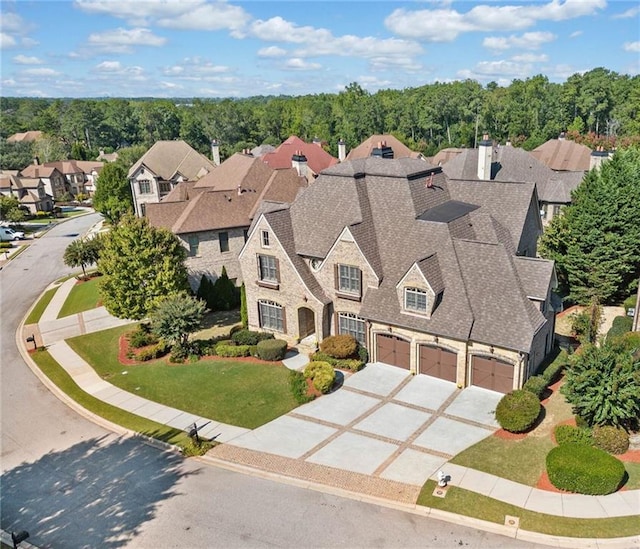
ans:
(438, 362)
(492, 373)
(393, 350)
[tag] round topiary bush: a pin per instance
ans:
(536, 385)
(610, 439)
(584, 469)
(339, 346)
(517, 411)
(321, 374)
(271, 349)
(567, 434)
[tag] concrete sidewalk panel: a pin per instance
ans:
(632, 498)
(341, 407)
(165, 415)
(97, 387)
(86, 380)
(476, 404)
(355, 453)
(615, 505)
(285, 436)
(57, 324)
(542, 501)
(450, 436)
(379, 379)
(118, 398)
(426, 392)
(107, 392)
(133, 404)
(56, 303)
(476, 481)
(54, 336)
(149, 408)
(413, 467)
(580, 506)
(184, 421)
(393, 421)
(510, 492)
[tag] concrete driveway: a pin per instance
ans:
(383, 422)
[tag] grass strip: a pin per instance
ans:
(470, 504)
(36, 313)
(63, 380)
(83, 297)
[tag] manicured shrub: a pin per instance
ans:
(247, 337)
(339, 346)
(298, 384)
(351, 364)
(142, 336)
(272, 349)
(581, 422)
(621, 325)
(4, 245)
(179, 353)
(553, 371)
(584, 469)
(610, 439)
(569, 434)
(321, 374)
(363, 354)
(536, 385)
(517, 411)
(232, 351)
(630, 302)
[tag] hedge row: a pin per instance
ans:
(583, 469)
(351, 364)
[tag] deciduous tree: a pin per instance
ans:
(176, 317)
(113, 192)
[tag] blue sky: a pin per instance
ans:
(205, 48)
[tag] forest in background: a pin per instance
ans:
(599, 107)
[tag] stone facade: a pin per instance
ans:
(144, 180)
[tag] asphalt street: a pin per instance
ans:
(71, 483)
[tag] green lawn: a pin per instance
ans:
(36, 313)
(83, 296)
(475, 505)
(239, 393)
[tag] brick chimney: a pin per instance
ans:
(597, 158)
(342, 150)
(382, 150)
(215, 152)
(485, 158)
(299, 162)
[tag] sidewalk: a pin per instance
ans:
(54, 331)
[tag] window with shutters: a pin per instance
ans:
(352, 325)
(415, 300)
(271, 315)
(223, 239)
(348, 280)
(268, 272)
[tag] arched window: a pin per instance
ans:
(353, 325)
(271, 315)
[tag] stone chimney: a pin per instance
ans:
(597, 158)
(342, 150)
(485, 158)
(561, 137)
(317, 141)
(382, 150)
(215, 152)
(299, 162)
(36, 161)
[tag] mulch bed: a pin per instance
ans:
(506, 435)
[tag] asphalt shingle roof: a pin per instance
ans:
(168, 158)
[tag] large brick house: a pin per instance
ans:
(432, 275)
(211, 217)
(161, 168)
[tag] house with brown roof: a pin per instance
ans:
(432, 275)
(30, 192)
(211, 216)
(161, 168)
(53, 180)
(564, 155)
(384, 146)
(66, 176)
(25, 137)
(309, 159)
(504, 163)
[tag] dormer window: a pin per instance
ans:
(415, 300)
(265, 239)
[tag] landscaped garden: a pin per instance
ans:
(83, 297)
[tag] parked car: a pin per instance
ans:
(7, 234)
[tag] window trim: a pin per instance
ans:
(415, 292)
(146, 182)
(273, 283)
(348, 293)
(221, 240)
(281, 324)
(356, 320)
(264, 239)
(191, 246)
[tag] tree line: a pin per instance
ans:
(598, 107)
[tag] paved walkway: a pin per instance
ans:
(382, 434)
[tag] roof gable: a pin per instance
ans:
(166, 158)
(317, 158)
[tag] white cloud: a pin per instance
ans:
(530, 58)
(444, 25)
(527, 41)
(493, 70)
(11, 22)
(26, 60)
(195, 67)
(217, 16)
(121, 40)
(109, 66)
(298, 64)
(40, 72)
(632, 47)
(371, 82)
(272, 51)
(575, 34)
(631, 12)
(6, 40)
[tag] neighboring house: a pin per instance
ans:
(211, 217)
(24, 137)
(161, 168)
(505, 163)
(54, 182)
(384, 146)
(30, 192)
(422, 270)
(564, 155)
(308, 158)
(107, 157)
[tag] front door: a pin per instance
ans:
(306, 322)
